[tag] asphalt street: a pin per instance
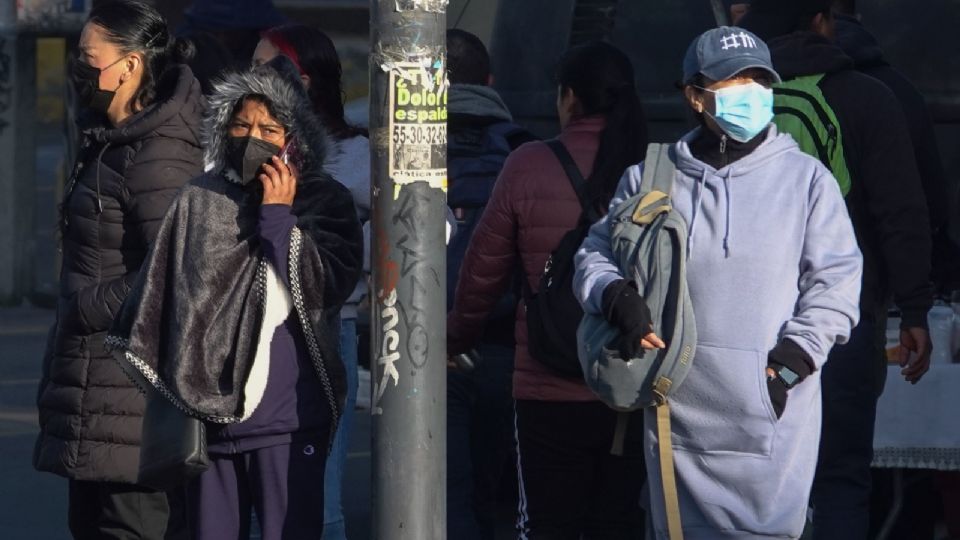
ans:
(33, 505)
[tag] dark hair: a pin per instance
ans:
(770, 19)
(317, 58)
(211, 59)
(601, 77)
(135, 26)
(468, 61)
(262, 100)
(845, 7)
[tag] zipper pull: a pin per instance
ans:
(723, 144)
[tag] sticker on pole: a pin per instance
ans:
(435, 6)
(418, 124)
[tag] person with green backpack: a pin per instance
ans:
(884, 195)
(772, 274)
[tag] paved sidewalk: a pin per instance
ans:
(32, 505)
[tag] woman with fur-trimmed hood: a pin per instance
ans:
(229, 318)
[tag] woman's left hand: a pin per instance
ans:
(279, 183)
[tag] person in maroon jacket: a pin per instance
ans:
(570, 484)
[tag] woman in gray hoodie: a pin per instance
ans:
(774, 279)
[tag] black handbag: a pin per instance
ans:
(173, 444)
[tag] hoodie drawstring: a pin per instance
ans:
(698, 206)
(698, 203)
(99, 159)
(729, 196)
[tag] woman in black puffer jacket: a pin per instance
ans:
(140, 144)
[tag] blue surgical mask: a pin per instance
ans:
(743, 111)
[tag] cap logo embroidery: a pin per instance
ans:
(735, 41)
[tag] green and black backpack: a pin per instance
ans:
(800, 109)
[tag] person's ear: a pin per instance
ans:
(305, 79)
(823, 24)
(130, 66)
(490, 79)
(694, 98)
(572, 102)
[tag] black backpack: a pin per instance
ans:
(553, 313)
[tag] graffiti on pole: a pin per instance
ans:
(411, 337)
(389, 352)
(413, 258)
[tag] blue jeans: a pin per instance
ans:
(333, 521)
(852, 380)
(479, 442)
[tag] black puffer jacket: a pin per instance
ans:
(886, 201)
(941, 192)
(121, 186)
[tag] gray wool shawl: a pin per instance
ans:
(191, 323)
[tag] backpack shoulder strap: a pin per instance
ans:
(577, 180)
(658, 169)
(668, 473)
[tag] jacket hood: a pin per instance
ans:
(709, 178)
(857, 42)
(477, 100)
(278, 82)
(177, 113)
(775, 144)
(806, 53)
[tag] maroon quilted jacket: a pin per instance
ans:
(532, 207)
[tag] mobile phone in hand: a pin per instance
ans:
(284, 154)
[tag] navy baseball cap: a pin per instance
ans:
(721, 53)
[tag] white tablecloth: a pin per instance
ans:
(918, 426)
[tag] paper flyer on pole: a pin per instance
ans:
(418, 124)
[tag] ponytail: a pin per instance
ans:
(623, 143)
(601, 77)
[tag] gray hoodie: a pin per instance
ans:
(772, 255)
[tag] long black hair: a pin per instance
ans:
(135, 26)
(317, 58)
(601, 77)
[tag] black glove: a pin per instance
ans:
(625, 308)
(788, 354)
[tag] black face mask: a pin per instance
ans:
(246, 155)
(86, 82)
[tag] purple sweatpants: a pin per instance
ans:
(283, 483)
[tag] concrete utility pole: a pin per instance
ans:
(408, 133)
(17, 149)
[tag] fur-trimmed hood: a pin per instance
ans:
(279, 83)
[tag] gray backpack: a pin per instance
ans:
(649, 242)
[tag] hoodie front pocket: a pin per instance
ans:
(723, 406)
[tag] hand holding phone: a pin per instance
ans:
(279, 182)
